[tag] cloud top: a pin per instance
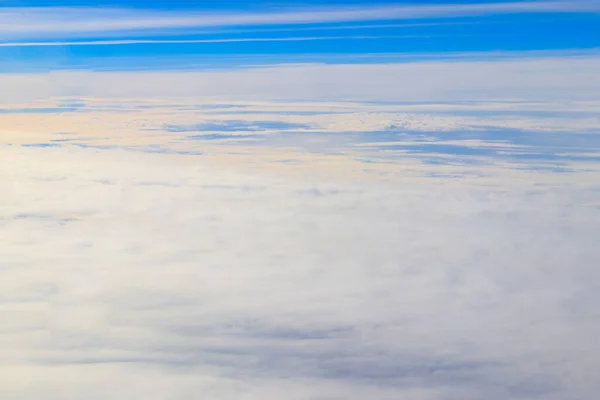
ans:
(151, 269)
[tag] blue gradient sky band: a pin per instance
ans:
(244, 29)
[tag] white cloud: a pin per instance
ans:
(192, 41)
(543, 79)
(379, 121)
(130, 275)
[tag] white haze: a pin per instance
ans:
(127, 275)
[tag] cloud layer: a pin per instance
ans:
(484, 78)
(419, 230)
(167, 277)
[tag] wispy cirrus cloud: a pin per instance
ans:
(31, 22)
(200, 41)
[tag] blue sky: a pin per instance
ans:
(135, 34)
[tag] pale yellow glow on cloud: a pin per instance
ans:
(138, 123)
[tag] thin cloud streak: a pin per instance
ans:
(67, 21)
(197, 41)
(351, 27)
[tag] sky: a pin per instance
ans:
(299, 199)
(123, 35)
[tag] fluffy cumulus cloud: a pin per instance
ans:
(131, 275)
